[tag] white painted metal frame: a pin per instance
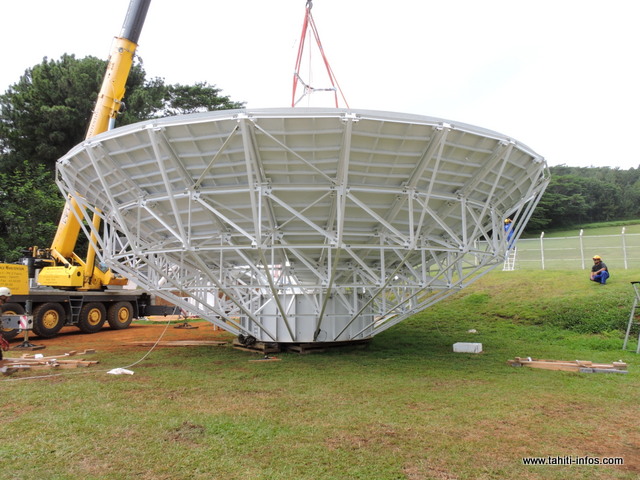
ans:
(303, 225)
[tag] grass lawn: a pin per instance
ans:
(403, 407)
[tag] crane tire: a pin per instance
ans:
(92, 317)
(120, 315)
(48, 319)
(11, 309)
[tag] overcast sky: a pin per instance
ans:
(561, 76)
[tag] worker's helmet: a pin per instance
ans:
(5, 292)
(597, 257)
(507, 220)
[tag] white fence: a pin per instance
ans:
(562, 253)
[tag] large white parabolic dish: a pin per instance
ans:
(303, 225)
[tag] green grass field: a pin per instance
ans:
(403, 407)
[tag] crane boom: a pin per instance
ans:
(120, 62)
(68, 269)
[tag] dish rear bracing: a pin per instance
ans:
(303, 225)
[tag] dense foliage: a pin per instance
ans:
(46, 113)
(30, 200)
(579, 195)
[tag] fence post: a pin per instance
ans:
(542, 249)
(581, 248)
(624, 249)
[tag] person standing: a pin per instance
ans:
(508, 229)
(599, 271)
(5, 294)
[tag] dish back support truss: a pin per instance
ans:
(303, 225)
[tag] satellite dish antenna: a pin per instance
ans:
(303, 225)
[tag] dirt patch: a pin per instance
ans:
(188, 433)
(70, 338)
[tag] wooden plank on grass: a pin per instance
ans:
(266, 359)
(567, 365)
(31, 356)
(180, 343)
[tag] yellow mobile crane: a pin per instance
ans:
(73, 291)
(68, 270)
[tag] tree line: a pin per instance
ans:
(582, 195)
(47, 111)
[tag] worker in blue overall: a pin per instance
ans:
(599, 271)
(508, 229)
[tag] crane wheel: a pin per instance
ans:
(11, 309)
(48, 319)
(92, 317)
(120, 315)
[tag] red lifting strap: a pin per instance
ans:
(308, 89)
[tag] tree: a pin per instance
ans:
(579, 195)
(159, 100)
(200, 97)
(46, 113)
(31, 206)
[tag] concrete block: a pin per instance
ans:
(463, 347)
